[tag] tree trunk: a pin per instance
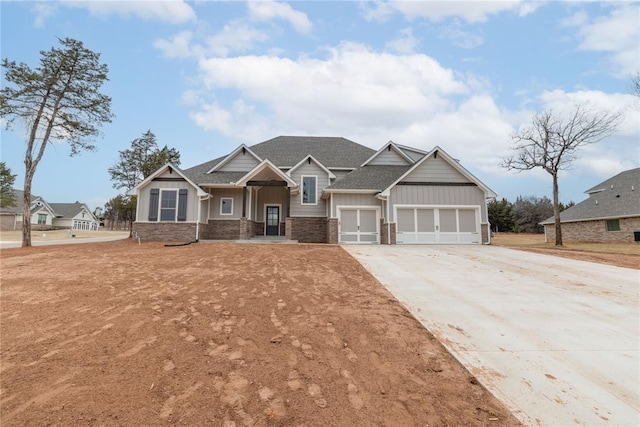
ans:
(556, 211)
(26, 213)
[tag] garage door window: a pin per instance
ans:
(425, 220)
(405, 221)
(448, 221)
(467, 219)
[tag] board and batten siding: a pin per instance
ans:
(271, 196)
(145, 195)
(322, 181)
(438, 196)
(435, 170)
(353, 199)
(240, 163)
(389, 157)
(217, 195)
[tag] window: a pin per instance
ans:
(309, 190)
(226, 206)
(42, 218)
(613, 225)
(168, 203)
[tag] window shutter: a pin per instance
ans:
(182, 204)
(153, 204)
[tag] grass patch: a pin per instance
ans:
(536, 241)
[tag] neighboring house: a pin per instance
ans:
(11, 217)
(317, 189)
(47, 216)
(611, 213)
(75, 216)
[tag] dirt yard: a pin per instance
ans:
(219, 334)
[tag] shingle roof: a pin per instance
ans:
(287, 151)
(66, 210)
(370, 177)
(617, 197)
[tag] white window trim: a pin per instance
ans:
(175, 215)
(222, 199)
(302, 202)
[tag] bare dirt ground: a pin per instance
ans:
(219, 334)
(619, 254)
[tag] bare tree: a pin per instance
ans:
(552, 141)
(635, 84)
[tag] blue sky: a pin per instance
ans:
(205, 76)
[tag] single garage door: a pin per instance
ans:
(424, 225)
(358, 225)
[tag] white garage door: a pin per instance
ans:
(422, 224)
(358, 225)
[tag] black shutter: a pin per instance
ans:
(153, 204)
(182, 204)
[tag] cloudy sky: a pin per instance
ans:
(205, 76)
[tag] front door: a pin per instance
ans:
(272, 224)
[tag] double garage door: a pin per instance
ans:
(444, 225)
(358, 225)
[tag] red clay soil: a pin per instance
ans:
(219, 334)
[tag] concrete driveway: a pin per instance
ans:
(557, 340)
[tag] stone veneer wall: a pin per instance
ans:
(165, 231)
(594, 231)
(306, 229)
(484, 231)
(220, 229)
(332, 231)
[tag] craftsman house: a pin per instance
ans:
(317, 189)
(610, 214)
(48, 216)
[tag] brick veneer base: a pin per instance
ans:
(225, 229)
(306, 229)
(594, 231)
(332, 231)
(484, 231)
(163, 231)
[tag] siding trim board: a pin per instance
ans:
(440, 184)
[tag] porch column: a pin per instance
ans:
(288, 201)
(244, 201)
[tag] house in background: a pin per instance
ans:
(610, 214)
(47, 216)
(317, 189)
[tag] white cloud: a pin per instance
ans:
(467, 10)
(405, 42)
(459, 37)
(42, 11)
(235, 36)
(169, 11)
(616, 34)
(179, 46)
(266, 10)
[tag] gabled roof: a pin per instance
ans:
(287, 151)
(170, 167)
(233, 154)
(311, 158)
(69, 210)
(415, 153)
(370, 177)
(617, 197)
(264, 165)
(390, 146)
(456, 165)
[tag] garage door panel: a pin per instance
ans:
(425, 220)
(467, 218)
(405, 221)
(368, 221)
(448, 221)
(349, 220)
